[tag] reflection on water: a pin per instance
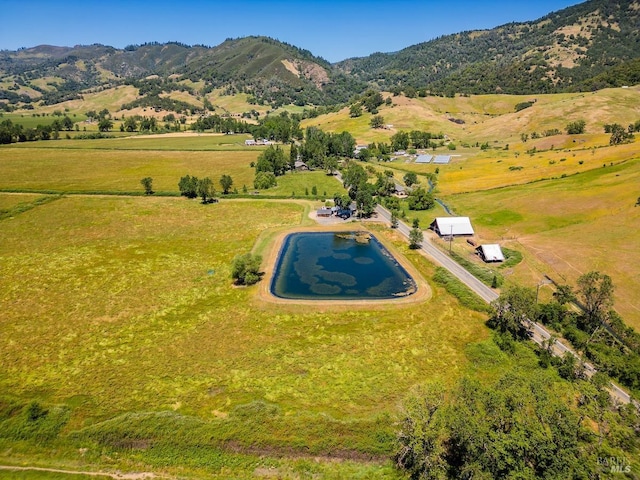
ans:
(333, 266)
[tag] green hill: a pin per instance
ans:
(567, 50)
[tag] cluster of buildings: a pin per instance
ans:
(461, 227)
(339, 212)
(257, 143)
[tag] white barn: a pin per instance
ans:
(490, 253)
(456, 226)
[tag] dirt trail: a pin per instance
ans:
(116, 475)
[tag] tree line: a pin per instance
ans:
(532, 422)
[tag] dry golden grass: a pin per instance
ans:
(476, 170)
(111, 99)
(569, 226)
(491, 117)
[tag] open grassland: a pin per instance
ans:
(184, 141)
(498, 168)
(117, 165)
(121, 314)
(571, 226)
(112, 99)
(490, 117)
(472, 169)
(93, 170)
(10, 202)
(28, 120)
(302, 183)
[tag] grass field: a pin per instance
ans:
(103, 170)
(137, 321)
(29, 121)
(117, 165)
(186, 141)
(570, 226)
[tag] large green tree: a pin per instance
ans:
(420, 199)
(188, 186)
(416, 237)
(273, 160)
(513, 310)
(130, 124)
(410, 178)
(595, 292)
(515, 427)
(400, 141)
(147, 183)
(377, 121)
(206, 190)
(226, 182)
(105, 125)
(245, 269)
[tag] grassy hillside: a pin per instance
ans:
(490, 117)
(569, 226)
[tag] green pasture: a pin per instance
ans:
(117, 165)
(299, 183)
(187, 141)
(120, 317)
(28, 120)
(117, 171)
(570, 225)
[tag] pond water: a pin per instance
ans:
(338, 266)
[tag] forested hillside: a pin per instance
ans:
(569, 50)
(590, 46)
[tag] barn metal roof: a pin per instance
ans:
(454, 225)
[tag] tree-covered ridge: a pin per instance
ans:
(562, 51)
(271, 71)
(589, 46)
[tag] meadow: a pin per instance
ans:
(120, 316)
(113, 166)
(568, 226)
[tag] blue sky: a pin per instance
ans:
(332, 29)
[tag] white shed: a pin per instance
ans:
(490, 253)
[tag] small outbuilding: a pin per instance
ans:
(300, 165)
(324, 212)
(400, 191)
(490, 253)
(456, 226)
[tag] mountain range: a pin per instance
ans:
(588, 46)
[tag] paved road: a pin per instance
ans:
(539, 334)
(486, 293)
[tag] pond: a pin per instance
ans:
(338, 266)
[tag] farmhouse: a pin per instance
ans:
(456, 226)
(300, 165)
(324, 212)
(490, 253)
(400, 191)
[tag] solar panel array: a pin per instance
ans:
(442, 159)
(423, 159)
